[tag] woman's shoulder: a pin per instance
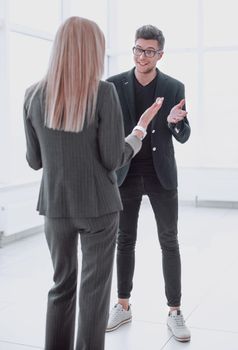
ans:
(105, 89)
(34, 96)
(105, 85)
(34, 90)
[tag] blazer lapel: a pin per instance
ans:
(128, 90)
(161, 85)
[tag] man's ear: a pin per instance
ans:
(160, 55)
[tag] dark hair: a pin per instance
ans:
(150, 32)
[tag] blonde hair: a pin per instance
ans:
(75, 69)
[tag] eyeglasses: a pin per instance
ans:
(137, 51)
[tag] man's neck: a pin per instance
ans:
(145, 78)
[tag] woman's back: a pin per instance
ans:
(78, 167)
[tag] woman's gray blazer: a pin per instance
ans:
(78, 177)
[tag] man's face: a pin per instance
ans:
(145, 64)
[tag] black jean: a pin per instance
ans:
(165, 206)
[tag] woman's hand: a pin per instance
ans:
(147, 116)
(177, 113)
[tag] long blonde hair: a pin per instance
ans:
(75, 69)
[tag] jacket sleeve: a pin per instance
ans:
(115, 150)
(33, 152)
(181, 131)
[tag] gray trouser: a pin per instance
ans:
(97, 237)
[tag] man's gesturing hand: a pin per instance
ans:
(177, 113)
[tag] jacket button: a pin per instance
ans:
(153, 131)
(154, 149)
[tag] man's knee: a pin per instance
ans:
(126, 241)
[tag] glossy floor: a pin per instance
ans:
(209, 251)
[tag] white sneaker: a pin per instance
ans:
(118, 316)
(177, 326)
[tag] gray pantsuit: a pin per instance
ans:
(79, 195)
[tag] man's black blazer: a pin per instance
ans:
(161, 138)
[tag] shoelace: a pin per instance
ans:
(115, 315)
(179, 320)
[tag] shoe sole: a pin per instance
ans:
(182, 340)
(118, 325)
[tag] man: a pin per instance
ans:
(152, 172)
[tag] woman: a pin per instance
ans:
(74, 131)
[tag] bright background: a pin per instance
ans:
(201, 50)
